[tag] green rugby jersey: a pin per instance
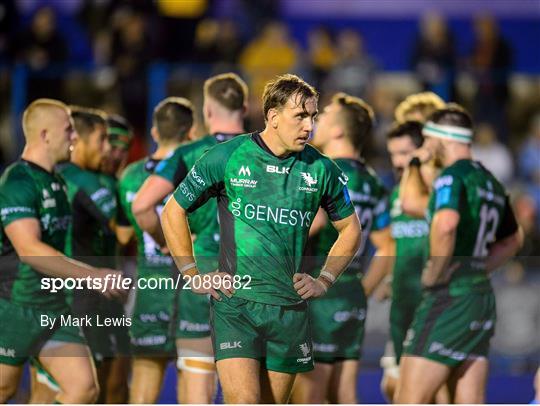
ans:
(369, 198)
(203, 223)
(411, 236)
(266, 205)
(94, 206)
(150, 260)
(29, 191)
(485, 216)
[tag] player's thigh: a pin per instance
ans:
(420, 378)
(343, 381)
(312, 386)
(146, 379)
(470, 381)
(276, 386)
(10, 378)
(240, 380)
(71, 366)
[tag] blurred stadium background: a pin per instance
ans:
(125, 56)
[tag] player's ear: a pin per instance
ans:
(154, 133)
(272, 117)
(336, 132)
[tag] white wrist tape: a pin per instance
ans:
(187, 267)
(331, 278)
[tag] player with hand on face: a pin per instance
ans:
(269, 186)
(448, 341)
(35, 216)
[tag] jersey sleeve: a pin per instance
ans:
(448, 191)
(173, 169)
(508, 224)
(382, 211)
(18, 198)
(204, 180)
(336, 200)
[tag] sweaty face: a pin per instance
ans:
(294, 123)
(400, 150)
(96, 147)
(327, 122)
(60, 135)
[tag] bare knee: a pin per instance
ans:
(81, 391)
(7, 391)
(244, 398)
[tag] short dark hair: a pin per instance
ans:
(452, 114)
(228, 89)
(85, 120)
(357, 117)
(278, 91)
(412, 129)
(173, 118)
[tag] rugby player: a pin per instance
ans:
(120, 136)
(91, 237)
(410, 236)
(338, 318)
(35, 216)
(449, 337)
(153, 330)
(224, 109)
(269, 186)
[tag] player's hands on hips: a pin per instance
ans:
(112, 285)
(211, 283)
(308, 287)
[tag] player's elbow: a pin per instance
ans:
(515, 241)
(140, 206)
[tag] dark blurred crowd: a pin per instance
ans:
(117, 41)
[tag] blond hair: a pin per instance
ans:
(34, 111)
(423, 104)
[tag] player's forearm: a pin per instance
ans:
(381, 266)
(175, 225)
(442, 243)
(501, 251)
(51, 262)
(413, 193)
(344, 249)
(148, 220)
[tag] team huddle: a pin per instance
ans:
(279, 236)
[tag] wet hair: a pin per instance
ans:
(278, 91)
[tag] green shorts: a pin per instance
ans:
(278, 336)
(450, 329)
(25, 331)
(338, 326)
(401, 317)
(153, 322)
(193, 315)
(194, 309)
(104, 341)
